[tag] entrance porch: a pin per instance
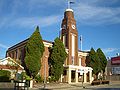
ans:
(75, 74)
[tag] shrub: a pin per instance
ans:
(95, 83)
(25, 76)
(5, 76)
(52, 79)
(105, 82)
(38, 79)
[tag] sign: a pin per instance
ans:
(115, 60)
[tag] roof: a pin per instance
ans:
(8, 62)
(9, 67)
(83, 51)
(69, 10)
(115, 60)
(24, 43)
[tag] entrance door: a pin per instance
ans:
(72, 76)
(88, 77)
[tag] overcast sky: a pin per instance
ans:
(98, 21)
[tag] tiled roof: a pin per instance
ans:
(9, 67)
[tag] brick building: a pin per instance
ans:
(113, 69)
(75, 66)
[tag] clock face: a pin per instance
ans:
(73, 26)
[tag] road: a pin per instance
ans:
(64, 86)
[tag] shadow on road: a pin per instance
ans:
(44, 89)
(102, 88)
(6, 88)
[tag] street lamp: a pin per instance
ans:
(110, 77)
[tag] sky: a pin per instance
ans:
(98, 21)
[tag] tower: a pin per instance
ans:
(69, 36)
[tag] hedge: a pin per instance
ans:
(5, 76)
(99, 82)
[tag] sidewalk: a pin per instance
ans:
(73, 86)
(60, 86)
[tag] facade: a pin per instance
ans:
(17, 52)
(75, 64)
(113, 68)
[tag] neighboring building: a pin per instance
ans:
(113, 68)
(75, 64)
(17, 52)
(10, 65)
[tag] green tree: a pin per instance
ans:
(57, 57)
(94, 62)
(34, 51)
(102, 58)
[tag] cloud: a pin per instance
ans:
(52, 2)
(110, 50)
(95, 14)
(87, 12)
(30, 21)
(33, 21)
(3, 46)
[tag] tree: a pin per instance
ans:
(57, 58)
(94, 62)
(102, 58)
(34, 51)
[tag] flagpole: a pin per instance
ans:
(68, 4)
(81, 42)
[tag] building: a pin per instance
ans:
(10, 65)
(75, 64)
(113, 68)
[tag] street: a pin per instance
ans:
(65, 86)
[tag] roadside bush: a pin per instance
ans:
(105, 82)
(52, 79)
(5, 76)
(99, 82)
(38, 79)
(95, 83)
(25, 76)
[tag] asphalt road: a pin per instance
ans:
(64, 86)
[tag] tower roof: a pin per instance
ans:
(68, 10)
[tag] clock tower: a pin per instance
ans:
(69, 36)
